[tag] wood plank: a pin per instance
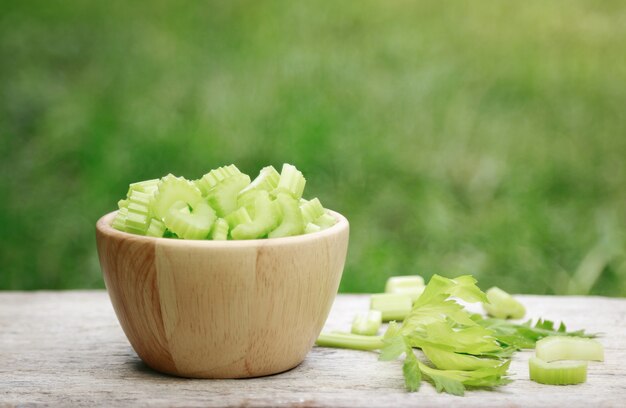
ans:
(67, 348)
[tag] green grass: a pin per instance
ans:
(457, 137)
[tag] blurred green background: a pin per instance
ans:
(457, 137)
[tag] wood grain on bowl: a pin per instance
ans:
(222, 309)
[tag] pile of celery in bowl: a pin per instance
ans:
(223, 204)
(459, 349)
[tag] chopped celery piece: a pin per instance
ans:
(311, 210)
(139, 197)
(223, 196)
(291, 223)
(241, 216)
(326, 221)
(138, 208)
(413, 293)
(557, 372)
(267, 180)
(156, 228)
(173, 189)
(351, 341)
(266, 217)
(367, 324)
(122, 203)
(502, 305)
(212, 178)
(147, 186)
(247, 201)
(119, 222)
(554, 348)
(187, 224)
(220, 230)
(311, 228)
(291, 181)
(392, 306)
(137, 222)
(406, 285)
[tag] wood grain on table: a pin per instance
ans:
(67, 348)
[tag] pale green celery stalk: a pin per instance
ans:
(325, 221)
(156, 228)
(146, 186)
(137, 219)
(291, 182)
(350, 341)
(311, 210)
(241, 216)
(502, 305)
(173, 189)
(392, 306)
(291, 223)
(557, 372)
(223, 196)
(406, 285)
(215, 176)
(311, 228)
(119, 222)
(555, 348)
(367, 324)
(190, 225)
(267, 180)
(220, 230)
(266, 218)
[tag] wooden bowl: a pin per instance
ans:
(222, 309)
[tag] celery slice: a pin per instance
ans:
(502, 305)
(215, 176)
(367, 324)
(311, 210)
(392, 306)
(156, 228)
(406, 285)
(119, 222)
(138, 208)
(223, 196)
(173, 189)
(350, 341)
(190, 225)
(137, 222)
(146, 186)
(241, 216)
(558, 372)
(267, 180)
(141, 198)
(220, 230)
(291, 223)
(291, 182)
(555, 348)
(326, 221)
(122, 203)
(311, 228)
(266, 217)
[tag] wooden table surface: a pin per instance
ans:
(67, 348)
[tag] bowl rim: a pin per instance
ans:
(103, 226)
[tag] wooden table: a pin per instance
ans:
(67, 348)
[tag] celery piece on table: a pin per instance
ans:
(502, 305)
(368, 323)
(392, 306)
(557, 372)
